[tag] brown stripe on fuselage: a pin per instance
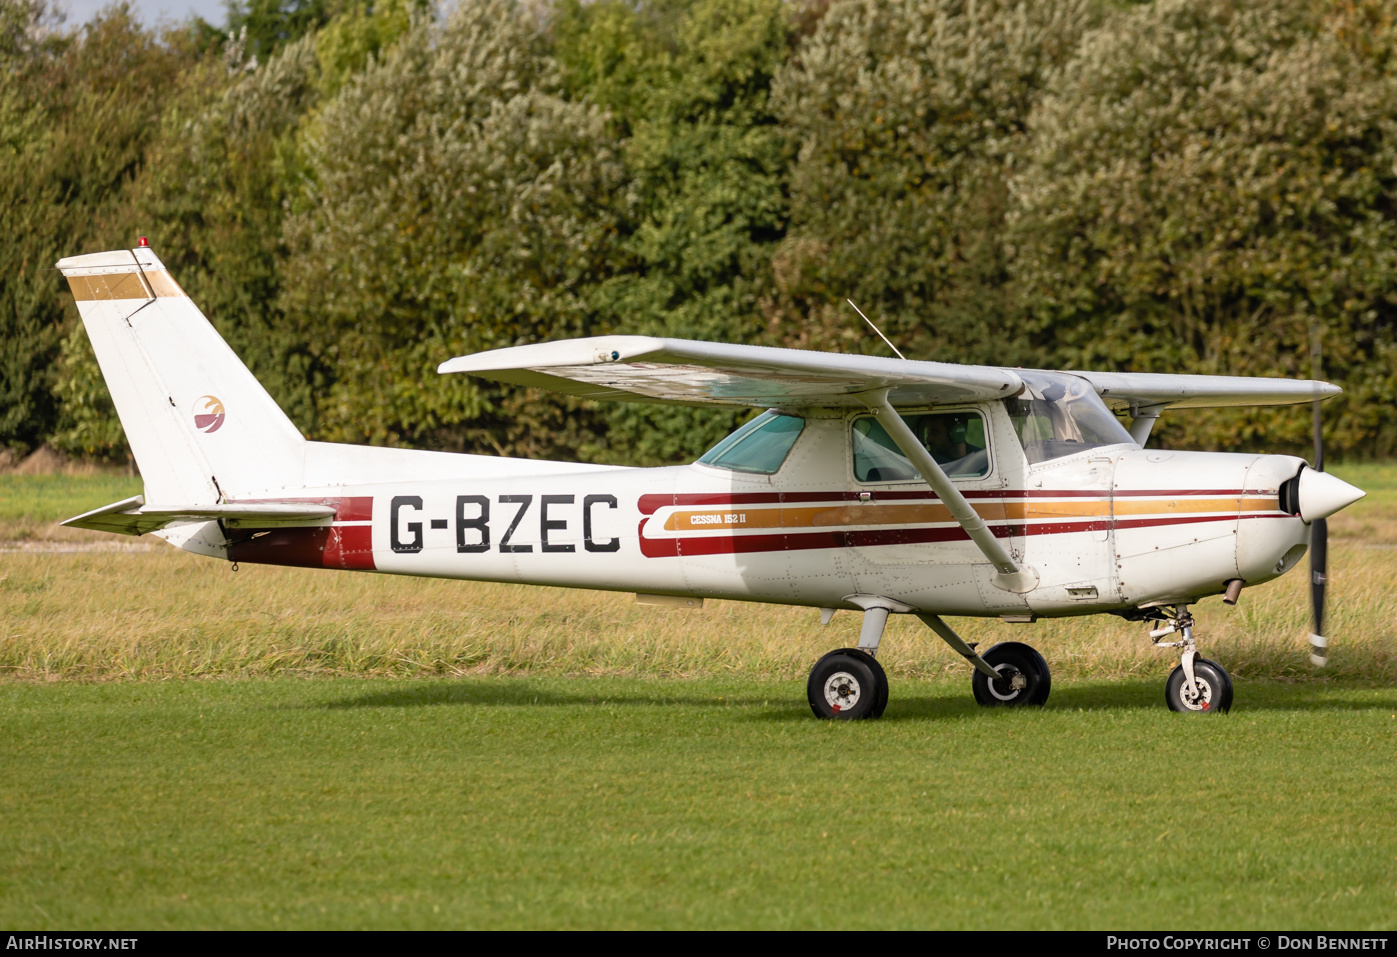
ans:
(693, 545)
(651, 503)
(835, 516)
(1181, 506)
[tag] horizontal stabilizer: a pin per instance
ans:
(130, 517)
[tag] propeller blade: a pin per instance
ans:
(1319, 557)
(1319, 560)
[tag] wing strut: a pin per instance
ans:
(1011, 576)
(958, 644)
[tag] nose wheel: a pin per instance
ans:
(1196, 685)
(847, 685)
(1211, 690)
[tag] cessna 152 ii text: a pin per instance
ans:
(881, 486)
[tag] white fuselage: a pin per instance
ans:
(1113, 528)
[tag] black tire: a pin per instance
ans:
(1010, 658)
(847, 685)
(1215, 685)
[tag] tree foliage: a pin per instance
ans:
(454, 201)
(905, 118)
(688, 87)
(355, 190)
(1210, 183)
(76, 115)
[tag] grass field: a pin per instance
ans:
(610, 802)
(330, 750)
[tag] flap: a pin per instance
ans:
(130, 517)
(646, 369)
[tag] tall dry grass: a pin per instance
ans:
(156, 612)
(161, 613)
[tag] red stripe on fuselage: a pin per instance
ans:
(797, 541)
(649, 504)
(334, 546)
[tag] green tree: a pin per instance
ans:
(1207, 182)
(359, 32)
(904, 119)
(455, 202)
(76, 114)
(689, 88)
(262, 27)
(212, 199)
(212, 196)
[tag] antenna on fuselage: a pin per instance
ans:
(876, 329)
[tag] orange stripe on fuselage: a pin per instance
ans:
(838, 516)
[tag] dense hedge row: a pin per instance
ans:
(355, 190)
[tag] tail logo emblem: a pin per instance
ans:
(210, 419)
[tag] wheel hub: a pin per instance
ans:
(1009, 684)
(842, 691)
(1199, 700)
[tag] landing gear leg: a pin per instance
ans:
(849, 684)
(1196, 685)
(1010, 674)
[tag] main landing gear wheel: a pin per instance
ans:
(1023, 677)
(1213, 692)
(847, 685)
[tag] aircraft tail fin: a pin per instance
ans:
(200, 425)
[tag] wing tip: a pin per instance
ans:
(593, 350)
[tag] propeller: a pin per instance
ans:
(1319, 558)
(1314, 495)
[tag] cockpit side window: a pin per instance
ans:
(956, 440)
(1058, 415)
(760, 446)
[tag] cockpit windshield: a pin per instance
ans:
(760, 446)
(1059, 415)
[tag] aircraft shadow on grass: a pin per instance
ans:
(1128, 695)
(1143, 695)
(486, 692)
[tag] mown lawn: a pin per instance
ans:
(607, 802)
(181, 746)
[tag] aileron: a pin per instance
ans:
(1122, 390)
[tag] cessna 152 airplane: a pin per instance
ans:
(881, 486)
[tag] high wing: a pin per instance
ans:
(130, 517)
(646, 369)
(1124, 390)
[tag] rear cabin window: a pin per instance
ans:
(956, 441)
(760, 446)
